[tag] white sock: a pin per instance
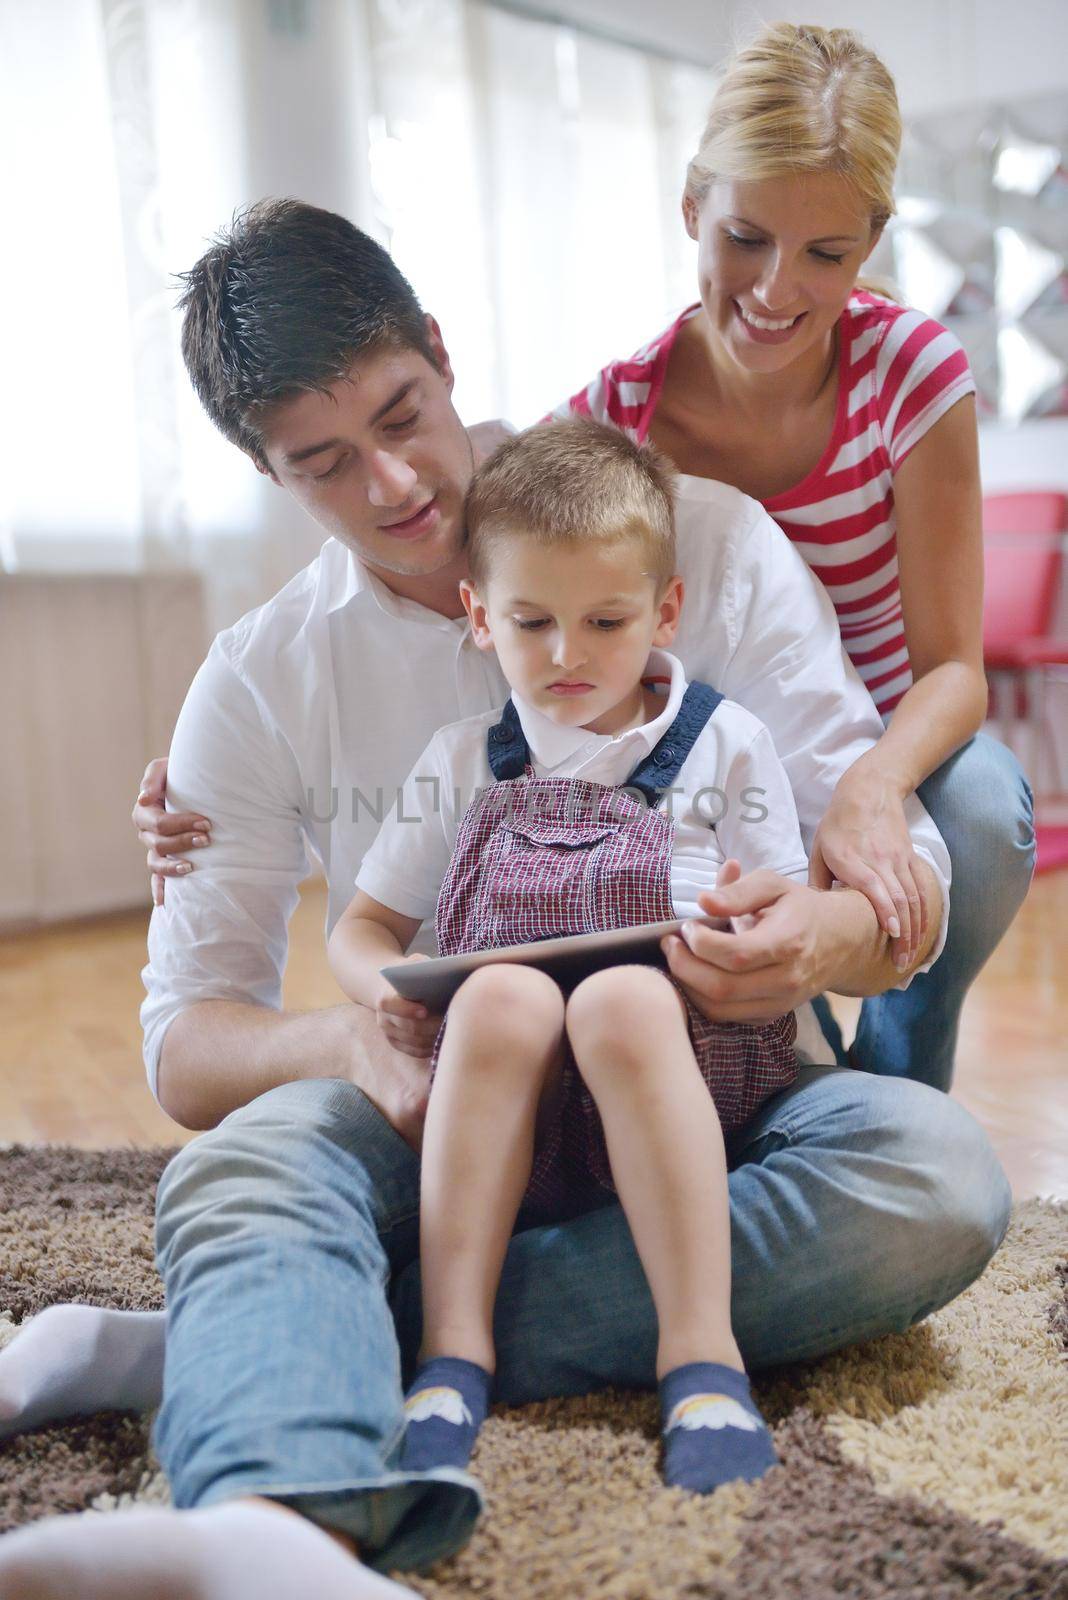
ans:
(72, 1360)
(231, 1551)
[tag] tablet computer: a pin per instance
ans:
(433, 983)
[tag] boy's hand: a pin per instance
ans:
(409, 1026)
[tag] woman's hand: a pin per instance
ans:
(165, 834)
(863, 842)
(408, 1026)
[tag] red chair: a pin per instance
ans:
(1023, 550)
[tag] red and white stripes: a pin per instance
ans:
(899, 371)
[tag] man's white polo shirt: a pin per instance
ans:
(307, 716)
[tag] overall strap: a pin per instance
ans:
(661, 766)
(506, 745)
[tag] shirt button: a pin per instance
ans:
(666, 757)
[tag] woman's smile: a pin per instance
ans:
(768, 330)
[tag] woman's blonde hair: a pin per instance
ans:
(803, 99)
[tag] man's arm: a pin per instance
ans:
(866, 965)
(804, 941)
(219, 1055)
(215, 1034)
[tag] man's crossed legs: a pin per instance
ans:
(859, 1205)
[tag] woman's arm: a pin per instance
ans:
(165, 834)
(761, 627)
(367, 937)
(940, 562)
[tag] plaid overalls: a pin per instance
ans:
(536, 858)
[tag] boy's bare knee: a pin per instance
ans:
(620, 1005)
(509, 997)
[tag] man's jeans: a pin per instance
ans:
(982, 805)
(859, 1204)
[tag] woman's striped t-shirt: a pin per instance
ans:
(899, 371)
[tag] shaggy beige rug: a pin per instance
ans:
(931, 1464)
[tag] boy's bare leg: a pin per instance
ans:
(627, 1028)
(501, 1050)
(498, 1068)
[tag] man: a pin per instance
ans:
(858, 1204)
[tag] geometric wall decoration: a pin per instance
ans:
(980, 241)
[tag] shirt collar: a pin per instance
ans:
(550, 745)
(347, 577)
(342, 576)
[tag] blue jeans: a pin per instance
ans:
(982, 805)
(287, 1240)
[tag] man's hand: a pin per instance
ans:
(166, 834)
(221, 1054)
(398, 1085)
(408, 1025)
(785, 950)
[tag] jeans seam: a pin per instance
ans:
(397, 1222)
(785, 1137)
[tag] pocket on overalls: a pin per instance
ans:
(550, 833)
(542, 878)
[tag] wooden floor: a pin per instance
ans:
(70, 1046)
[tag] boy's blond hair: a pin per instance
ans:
(573, 482)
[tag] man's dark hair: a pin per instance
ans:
(282, 304)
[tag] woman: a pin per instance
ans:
(852, 419)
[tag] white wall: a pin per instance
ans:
(1033, 455)
(93, 671)
(943, 53)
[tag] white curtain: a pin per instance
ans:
(526, 177)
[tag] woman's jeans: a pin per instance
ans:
(287, 1241)
(982, 805)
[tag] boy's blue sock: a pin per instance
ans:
(445, 1406)
(713, 1432)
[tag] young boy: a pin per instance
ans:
(515, 827)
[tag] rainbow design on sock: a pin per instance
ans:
(711, 1411)
(438, 1401)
